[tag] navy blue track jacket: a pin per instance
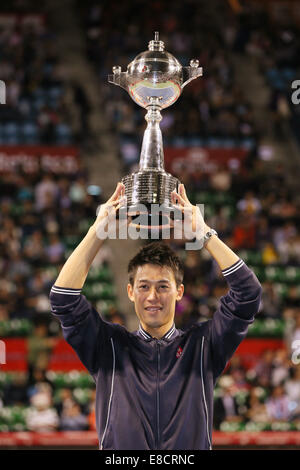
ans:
(157, 394)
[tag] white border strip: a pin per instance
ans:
(144, 333)
(204, 398)
(234, 268)
(168, 335)
(111, 392)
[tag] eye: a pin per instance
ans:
(164, 287)
(143, 286)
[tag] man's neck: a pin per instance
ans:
(159, 332)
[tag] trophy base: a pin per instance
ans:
(149, 202)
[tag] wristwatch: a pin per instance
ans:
(209, 234)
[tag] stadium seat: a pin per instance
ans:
(29, 133)
(63, 134)
(10, 133)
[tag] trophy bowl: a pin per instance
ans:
(154, 80)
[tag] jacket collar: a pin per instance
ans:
(172, 333)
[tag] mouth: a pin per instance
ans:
(153, 309)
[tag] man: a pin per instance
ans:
(154, 387)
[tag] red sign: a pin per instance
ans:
(252, 348)
(199, 159)
(64, 358)
(33, 158)
(15, 355)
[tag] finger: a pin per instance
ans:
(178, 198)
(119, 203)
(183, 192)
(117, 192)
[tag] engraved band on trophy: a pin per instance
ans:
(154, 80)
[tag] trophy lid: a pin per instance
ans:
(156, 44)
(155, 73)
(155, 76)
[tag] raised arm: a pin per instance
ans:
(76, 268)
(240, 305)
(82, 326)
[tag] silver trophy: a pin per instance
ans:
(154, 80)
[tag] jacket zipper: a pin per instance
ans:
(204, 398)
(157, 395)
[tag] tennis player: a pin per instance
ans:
(154, 386)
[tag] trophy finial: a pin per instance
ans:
(156, 44)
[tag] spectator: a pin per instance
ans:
(64, 400)
(16, 392)
(278, 405)
(226, 407)
(72, 419)
(46, 193)
(39, 347)
(55, 249)
(42, 417)
(256, 409)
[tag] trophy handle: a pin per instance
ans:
(191, 72)
(118, 78)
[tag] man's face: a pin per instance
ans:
(154, 294)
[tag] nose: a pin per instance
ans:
(152, 295)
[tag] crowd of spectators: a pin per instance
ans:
(42, 105)
(270, 35)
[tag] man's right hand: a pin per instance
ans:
(107, 217)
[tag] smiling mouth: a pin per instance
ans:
(153, 309)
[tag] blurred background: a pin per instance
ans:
(67, 137)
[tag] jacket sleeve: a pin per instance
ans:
(82, 326)
(236, 312)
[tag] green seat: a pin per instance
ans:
(252, 426)
(281, 426)
(17, 327)
(292, 274)
(281, 289)
(274, 273)
(104, 306)
(100, 273)
(83, 395)
(231, 426)
(271, 327)
(97, 291)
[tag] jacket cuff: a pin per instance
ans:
(65, 291)
(63, 299)
(234, 268)
(242, 280)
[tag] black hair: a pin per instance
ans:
(160, 254)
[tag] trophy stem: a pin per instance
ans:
(152, 154)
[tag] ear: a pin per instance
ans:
(180, 291)
(130, 292)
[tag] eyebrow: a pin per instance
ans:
(161, 280)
